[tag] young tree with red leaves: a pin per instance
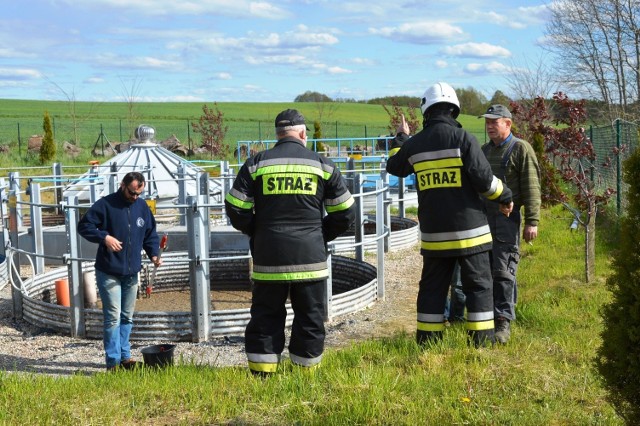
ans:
(567, 145)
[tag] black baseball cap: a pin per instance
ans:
(496, 111)
(290, 117)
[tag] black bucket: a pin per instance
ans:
(158, 355)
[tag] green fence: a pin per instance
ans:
(87, 132)
(619, 137)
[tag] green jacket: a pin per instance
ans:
(521, 173)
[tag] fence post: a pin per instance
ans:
(360, 218)
(57, 176)
(36, 227)
(199, 236)
(618, 170)
(19, 141)
(74, 268)
(380, 229)
(15, 272)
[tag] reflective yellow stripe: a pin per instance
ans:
(290, 276)
(290, 168)
(496, 189)
(437, 164)
(246, 205)
(480, 325)
(457, 244)
(430, 326)
(263, 367)
(393, 151)
(340, 207)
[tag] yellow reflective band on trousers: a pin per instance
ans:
(479, 325)
(456, 244)
(431, 326)
(264, 367)
(290, 276)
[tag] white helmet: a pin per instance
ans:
(440, 92)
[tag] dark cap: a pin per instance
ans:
(289, 117)
(496, 111)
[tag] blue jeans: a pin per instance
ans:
(118, 295)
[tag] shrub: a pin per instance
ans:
(48, 147)
(618, 359)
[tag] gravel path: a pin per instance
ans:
(25, 348)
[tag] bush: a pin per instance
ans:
(48, 147)
(618, 358)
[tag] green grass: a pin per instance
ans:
(545, 375)
(19, 119)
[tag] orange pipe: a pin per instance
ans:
(62, 292)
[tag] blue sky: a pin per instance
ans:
(262, 50)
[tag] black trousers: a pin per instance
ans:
(477, 285)
(265, 332)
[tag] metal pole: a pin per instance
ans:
(380, 229)
(199, 237)
(14, 186)
(57, 174)
(359, 223)
(74, 268)
(618, 170)
(16, 295)
(36, 227)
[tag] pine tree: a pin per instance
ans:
(48, 147)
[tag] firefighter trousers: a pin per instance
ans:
(475, 274)
(265, 333)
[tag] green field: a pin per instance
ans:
(19, 119)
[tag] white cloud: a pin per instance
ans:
(94, 80)
(19, 74)
(420, 32)
(441, 64)
(236, 8)
(137, 62)
(485, 69)
(477, 50)
(222, 76)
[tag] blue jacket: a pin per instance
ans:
(131, 223)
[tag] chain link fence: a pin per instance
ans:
(619, 137)
(90, 133)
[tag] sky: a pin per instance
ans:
(262, 50)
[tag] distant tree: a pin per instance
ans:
(213, 130)
(500, 98)
(472, 102)
(310, 96)
(411, 116)
(317, 130)
(617, 358)
(48, 147)
(405, 101)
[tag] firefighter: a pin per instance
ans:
(279, 199)
(451, 172)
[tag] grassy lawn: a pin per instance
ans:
(545, 375)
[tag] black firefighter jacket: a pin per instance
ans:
(451, 174)
(278, 199)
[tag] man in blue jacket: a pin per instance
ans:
(122, 225)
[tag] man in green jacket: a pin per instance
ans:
(514, 162)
